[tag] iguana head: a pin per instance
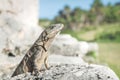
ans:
(48, 35)
(53, 30)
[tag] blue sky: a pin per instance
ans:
(50, 8)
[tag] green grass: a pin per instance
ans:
(101, 33)
(108, 33)
(109, 53)
(72, 33)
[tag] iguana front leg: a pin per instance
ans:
(37, 70)
(38, 61)
(45, 63)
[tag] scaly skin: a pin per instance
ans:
(37, 54)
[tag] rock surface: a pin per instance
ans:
(18, 22)
(62, 68)
(71, 72)
(8, 64)
(59, 59)
(68, 46)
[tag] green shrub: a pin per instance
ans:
(74, 34)
(113, 36)
(92, 54)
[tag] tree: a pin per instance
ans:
(97, 4)
(96, 10)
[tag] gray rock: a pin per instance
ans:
(59, 59)
(72, 72)
(8, 64)
(69, 46)
(18, 22)
(62, 68)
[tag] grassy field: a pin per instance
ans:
(109, 53)
(94, 33)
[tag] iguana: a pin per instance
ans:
(37, 54)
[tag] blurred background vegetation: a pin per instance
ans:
(100, 24)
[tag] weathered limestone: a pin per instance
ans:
(18, 22)
(72, 72)
(9, 63)
(69, 46)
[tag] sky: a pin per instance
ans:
(50, 8)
